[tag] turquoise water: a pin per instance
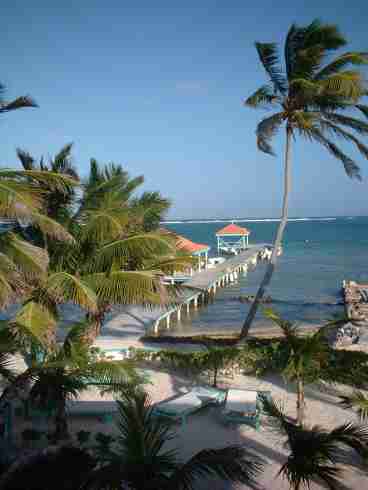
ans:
(318, 255)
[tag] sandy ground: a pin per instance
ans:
(205, 429)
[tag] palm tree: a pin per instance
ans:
(315, 98)
(112, 256)
(142, 463)
(315, 454)
(61, 372)
(305, 359)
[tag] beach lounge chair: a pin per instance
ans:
(178, 408)
(242, 407)
(103, 410)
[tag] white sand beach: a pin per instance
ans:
(206, 429)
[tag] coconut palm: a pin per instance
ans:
(142, 462)
(305, 359)
(316, 455)
(358, 401)
(59, 373)
(315, 98)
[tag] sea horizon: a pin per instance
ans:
(258, 219)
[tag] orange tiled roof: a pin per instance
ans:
(232, 229)
(189, 246)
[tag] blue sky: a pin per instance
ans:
(158, 86)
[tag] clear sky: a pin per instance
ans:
(158, 86)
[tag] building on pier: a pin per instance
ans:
(198, 250)
(232, 239)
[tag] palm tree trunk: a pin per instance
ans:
(61, 423)
(300, 404)
(280, 231)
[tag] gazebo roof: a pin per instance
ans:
(187, 245)
(232, 229)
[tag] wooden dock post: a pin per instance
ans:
(188, 308)
(178, 313)
(168, 320)
(195, 302)
(155, 326)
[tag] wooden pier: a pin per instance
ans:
(203, 285)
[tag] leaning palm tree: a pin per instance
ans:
(315, 98)
(316, 455)
(141, 462)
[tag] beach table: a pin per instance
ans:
(179, 407)
(242, 407)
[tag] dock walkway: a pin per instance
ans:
(127, 324)
(206, 279)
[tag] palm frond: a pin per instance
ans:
(352, 58)
(53, 180)
(351, 168)
(231, 463)
(351, 436)
(171, 264)
(266, 129)
(26, 159)
(261, 98)
(306, 47)
(348, 84)
(30, 260)
(66, 287)
(103, 225)
(18, 200)
(142, 438)
(346, 135)
(128, 287)
(351, 122)
(140, 247)
(34, 320)
(358, 401)
(7, 367)
(363, 109)
(11, 281)
(51, 228)
(62, 162)
(268, 54)
(18, 103)
(118, 376)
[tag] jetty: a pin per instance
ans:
(202, 285)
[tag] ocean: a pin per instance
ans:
(318, 253)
